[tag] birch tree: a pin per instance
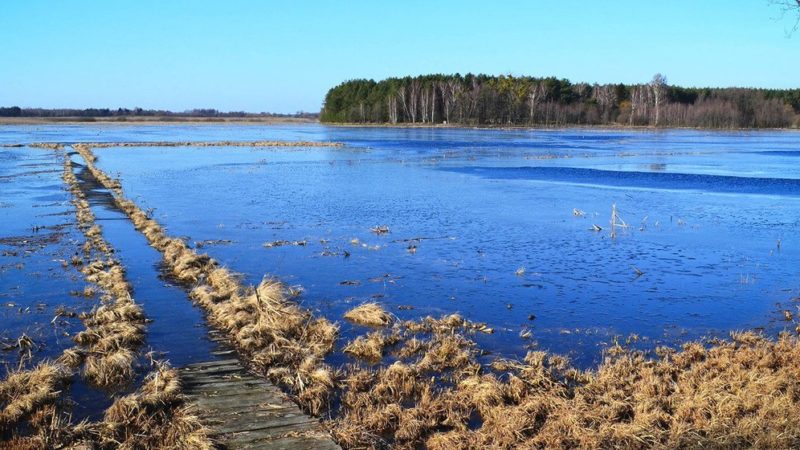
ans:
(658, 87)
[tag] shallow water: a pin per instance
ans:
(37, 239)
(712, 224)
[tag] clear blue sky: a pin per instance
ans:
(283, 56)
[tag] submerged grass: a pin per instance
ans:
(740, 393)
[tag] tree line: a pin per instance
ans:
(510, 100)
(16, 111)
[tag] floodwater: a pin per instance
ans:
(497, 225)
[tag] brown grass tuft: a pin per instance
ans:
(155, 416)
(371, 347)
(24, 392)
(370, 314)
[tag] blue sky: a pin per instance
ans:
(283, 56)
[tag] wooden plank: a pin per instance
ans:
(261, 439)
(234, 410)
(211, 403)
(236, 392)
(221, 383)
(224, 352)
(222, 367)
(279, 425)
(214, 370)
(228, 390)
(221, 362)
(245, 411)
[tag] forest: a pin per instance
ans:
(508, 100)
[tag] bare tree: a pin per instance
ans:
(536, 93)
(392, 106)
(640, 100)
(414, 88)
(402, 96)
(606, 98)
(789, 7)
(451, 90)
(433, 103)
(658, 86)
(426, 101)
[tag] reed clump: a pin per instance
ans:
(47, 145)
(155, 416)
(24, 392)
(370, 314)
(283, 341)
(371, 347)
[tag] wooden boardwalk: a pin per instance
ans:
(245, 411)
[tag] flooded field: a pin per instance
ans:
(567, 241)
(496, 225)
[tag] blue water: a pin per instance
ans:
(712, 223)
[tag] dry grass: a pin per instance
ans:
(47, 145)
(155, 416)
(281, 339)
(742, 393)
(115, 329)
(24, 392)
(371, 347)
(370, 314)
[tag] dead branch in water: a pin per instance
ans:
(616, 221)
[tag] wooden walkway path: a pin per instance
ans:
(245, 411)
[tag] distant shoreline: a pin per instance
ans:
(154, 120)
(187, 120)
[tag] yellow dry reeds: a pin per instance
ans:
(156, 416)
(371, 347)
(24, 392)
(47, 145)
(741, 393)
(115, 329)
(371, 314)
